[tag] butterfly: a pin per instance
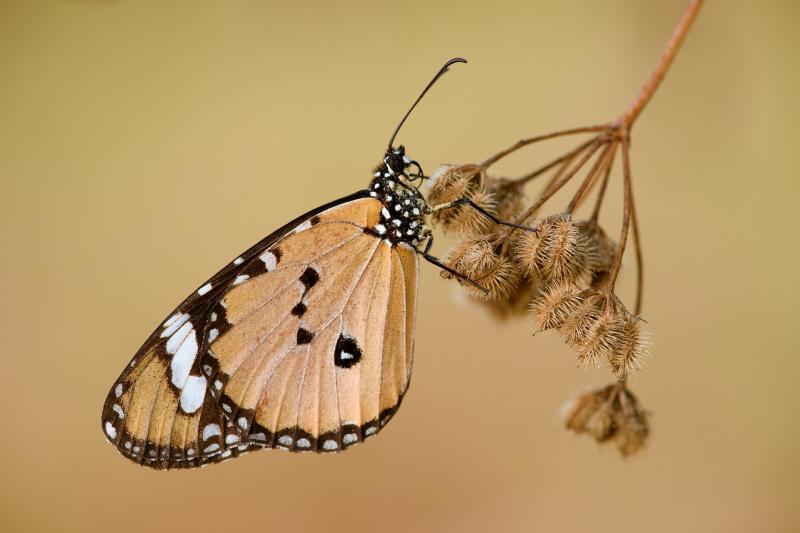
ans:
(304, 342)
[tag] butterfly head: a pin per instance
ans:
(397, 163)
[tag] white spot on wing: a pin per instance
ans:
(117, 408)
(212, 334)
(303, 443)
(193, 393)
(184, 354)
(380, 228)
(242, 422)
(118, 390)
(230, 439)
(204, 289)
(211, 430)
(241, 279)
(174, 323)
(370, 430)
(111, 430)
(302, 227)
(350, 438)
(238, 261)
(211, 447)
(330, 444)
(270, 261)
(286, 440)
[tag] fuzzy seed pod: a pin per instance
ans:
(580, 410)
(515, 303)
(608, 414)
(466, 220)
(601, 425)
(579, 324)
(633, 350)
(509, 196)
(451, 182)
(631, 421)
(556, 304)
(477, 260)
(557, 251)
(600, 251)
(603, 339)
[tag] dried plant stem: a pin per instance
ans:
(566, 158)
(637, 247)
(627, 208)
(550, 191)
(603, 186)
(525, 142)
(596, 169)
(667, 56)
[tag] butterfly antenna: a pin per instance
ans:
(425, 90)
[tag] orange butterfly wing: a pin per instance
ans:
(160, 412)
(312, 348)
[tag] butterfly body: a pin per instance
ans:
(404, 211)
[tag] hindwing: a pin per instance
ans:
(312, 350)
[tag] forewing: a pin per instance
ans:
(160, 412)
(315, 353)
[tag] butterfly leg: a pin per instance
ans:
(484, 212)
(438, 262)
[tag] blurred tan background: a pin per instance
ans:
(144, 144)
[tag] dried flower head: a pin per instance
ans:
(556, 251)
(554, 305)
(467, 220)
(633, 350)
(509, 195)
(451, 182)
(580, 413)
(600, 251)
(610, 412)
(603, 339)
(515, 303)
(478, 260)
(579, 324)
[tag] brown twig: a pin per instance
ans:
(602, 192)
(596, 169)
(525, 142)
(626, 216)
(667, 56)
(564, 158)
(637, 248)
(550, 191)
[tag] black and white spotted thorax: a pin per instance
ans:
(404, 208)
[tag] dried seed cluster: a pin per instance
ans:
(596, 325)
(558, 270)
(609, 414)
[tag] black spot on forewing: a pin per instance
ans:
(304, 336)
(309, 278)
(314, 220)
(299, 309)
(347, 353)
